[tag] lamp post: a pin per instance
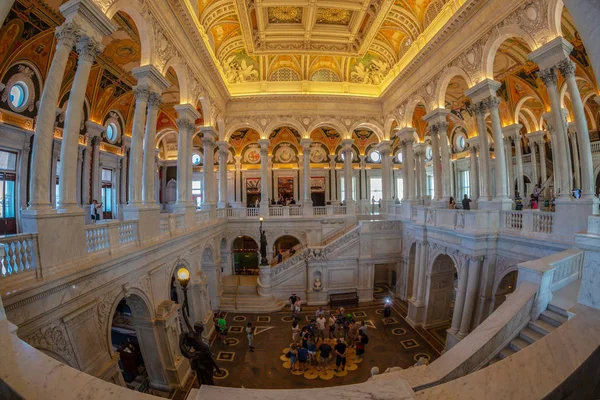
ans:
(183, 276)
(263, 245)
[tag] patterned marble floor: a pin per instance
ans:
(392, 343)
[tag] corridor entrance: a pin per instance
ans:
(245, 256)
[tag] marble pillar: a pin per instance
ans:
(39, 184)
(349, 201)
(473, 171)
(460, 298)
(264, 177)
(223, 158)
(385, 150)
(510, 172)
(142, 94)
(576, 167)
(501, 196)
(148, 172)
(306, 195)
(208, 140)
(405, 172)
(87, 49)
(474, 266)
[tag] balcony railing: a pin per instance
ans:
(110, 235)
(96, 238)
(18, 254)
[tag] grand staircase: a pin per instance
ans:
(240, 295)
(549, 320)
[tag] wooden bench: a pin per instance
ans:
(343, 299)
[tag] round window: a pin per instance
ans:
(428, 153)
(196, 159)
(399, 156)
(18, 94)
(111, 132)
(375, 156)
(460, 143)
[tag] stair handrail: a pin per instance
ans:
(338, 234)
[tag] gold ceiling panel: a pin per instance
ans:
(333, 16)
(284, 15)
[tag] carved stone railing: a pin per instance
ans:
(595, 147)
(276, 211)
(339, 210)
(512, 220)
(221, 213)
(164, 224)
(202, 217)
(18, 255)
(179, 221)
(319, 211)
(96, 237)
(128, 232)
(543, 222)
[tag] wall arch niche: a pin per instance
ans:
(287, 244)
(132, 337)
(440, 292)
(245, 256)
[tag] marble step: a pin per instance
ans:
(553, 318)
(518, 344)
(529, 335)
(541, 326)
(558, 310)
(506, 352)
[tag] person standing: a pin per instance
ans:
(361, 342)
(292, 301)
(295, 331)
(222, 329)
(340, 355)
(363, 328)
(250, 334)
(321, 322)
(352, 333)
(320, 311)
(466, 202)
(324, 355)
(331, 325)
(303, 357)
(452, 203)
(293, 356)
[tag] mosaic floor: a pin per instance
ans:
(391, 343)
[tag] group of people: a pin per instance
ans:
(329, 337)
(466, 203)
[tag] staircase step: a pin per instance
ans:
(558, 310)
(529, 335)
(518, 344)
(553, 318)
(541, 326)
(506, 352)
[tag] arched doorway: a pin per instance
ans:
(132, 337)
(287, 245)
(245, 256)
(442, 286)
(507, 285)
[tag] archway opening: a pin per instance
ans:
(442, 287)
(245, 256)
(507, 285)
(286, 246)
(132, 341)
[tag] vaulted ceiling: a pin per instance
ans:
(330, 41)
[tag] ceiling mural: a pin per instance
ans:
(328, 137)
(356, 41)
(363, 138)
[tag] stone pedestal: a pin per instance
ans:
(571, 215)
(416, 313)
(177, 368)
(57, 250)
(189, 211)
(264, 281)
(148, 218)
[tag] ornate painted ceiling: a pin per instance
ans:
(327, 46)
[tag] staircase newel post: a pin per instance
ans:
(264, 281)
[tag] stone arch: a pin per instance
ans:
(387, 126)
(329, 122)
(590, 116)
(281, 122)
(499, 279)
(439, 252)
(140, 294)
(230, 129)
(555, 8)
(160, 136)
(442, 86)
(519, 108)
(563, 90)
(206, 105)
(372, 125)
(145, 31)
(182, 79)
(495, 41)
(439, 289)
(411, 105)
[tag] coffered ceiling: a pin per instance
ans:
(316, 46)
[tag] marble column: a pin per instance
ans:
(385, 150)
(96, 178)
(436, 166)
(474, 265)
(78, 178)
(473, 172)
(410, 166)
(485, 192)
(87, 49)
(306, 195)
(416, 272)
(348, 156)
(510, 178)
(405, 172)
(264, 176)
(238, 186)
(142, 94)
(576, 167)
(123, 180)
(422, 274)
(460, 297)
(519, 155)
(332, 179)
(86, 178)
(149, 164)
(419, 149)
(40, 179)
(208, 140)
(223, 158)
(442, 131)
(557, 127)
(567, 70)
(186, 127)
(542, 147)
(534, 166)
(499, 172)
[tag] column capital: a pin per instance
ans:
(419, 148)
(567, 68)
(125, 143)
(68, 33)
(551, 53)
(154, 101)
(439, 115)
(94, 130)
(264, 144)
(141, 92)
(572, 129)
(92, 20)
(536, 137)
(492, 103)
(548, 76)
(184, 124)
(209, 132)
(347, 144)
(223, 146)
(88, 48)
(512, 131)
(305, 143)
(150, 76)
(483, 90)
(384, 148)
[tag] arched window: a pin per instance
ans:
(428, 153)
(284, 75)
(111, 132)
(196, 159)
(325, 75)
(19, 93)
(375, 156)
(399, 157)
